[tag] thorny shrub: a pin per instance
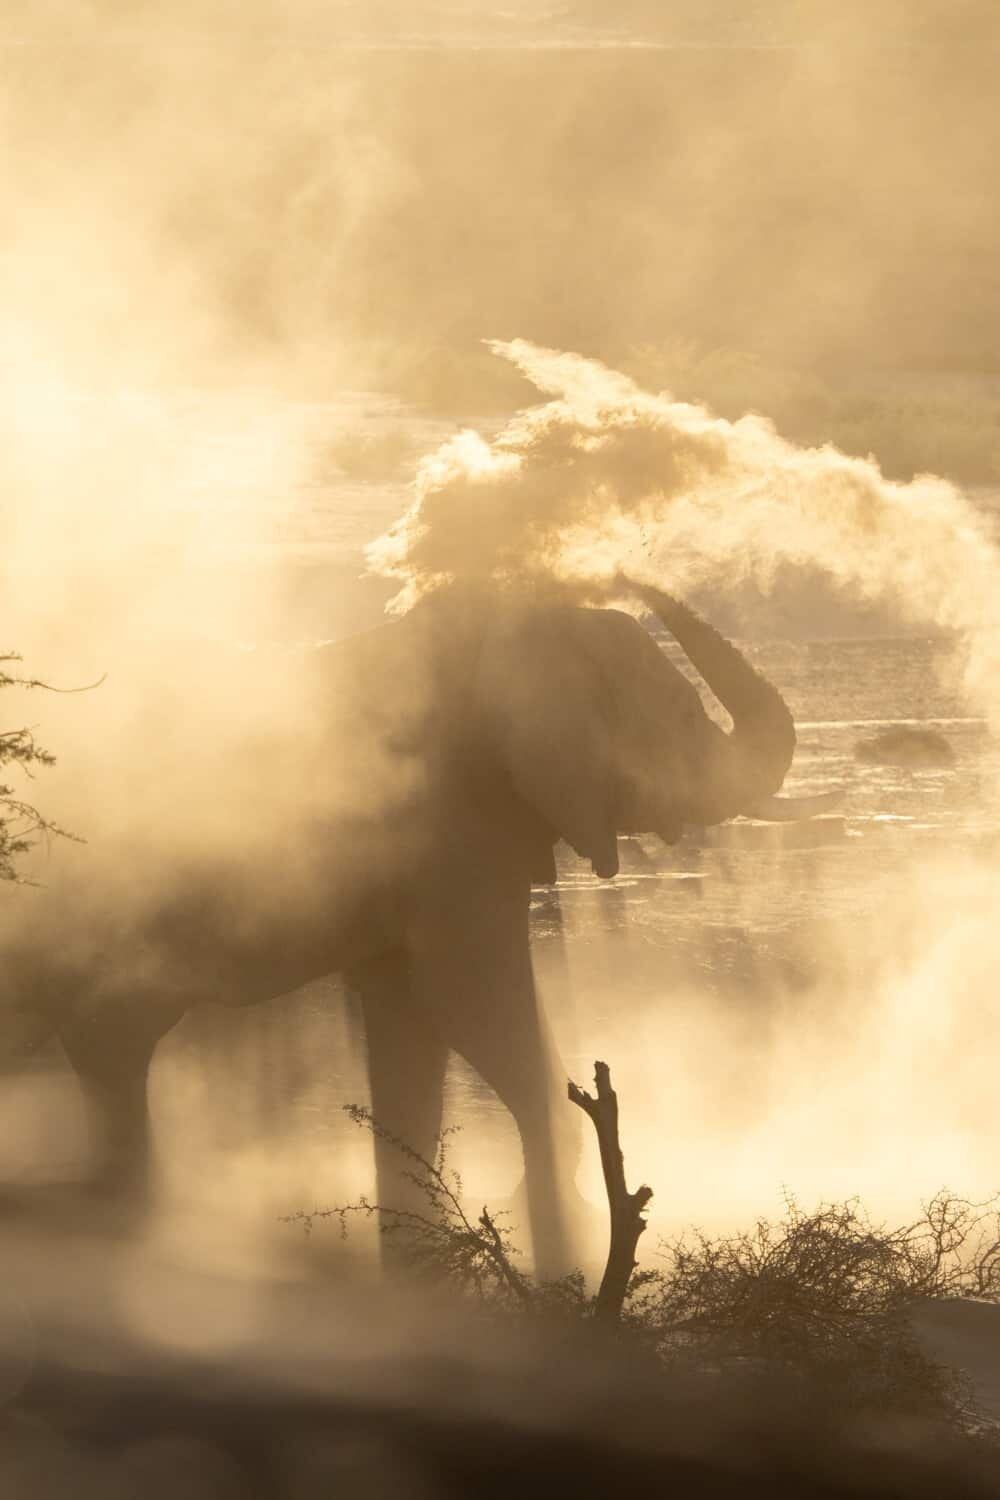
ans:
(821, 1302)
(825, 1298)
(474, 1255)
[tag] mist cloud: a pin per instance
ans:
(605, 477)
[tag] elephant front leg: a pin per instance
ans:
(406, 1068)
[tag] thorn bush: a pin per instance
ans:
(819, 1303)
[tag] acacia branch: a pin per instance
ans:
(20, 822)
(497, 1252)
(627, 1223)
(9, 679)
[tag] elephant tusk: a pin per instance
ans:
(793, 809)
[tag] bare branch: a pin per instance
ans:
(627, 1223)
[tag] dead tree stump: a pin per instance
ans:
(627, 1223)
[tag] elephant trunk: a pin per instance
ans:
(758, 752)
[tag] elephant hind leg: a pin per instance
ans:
(406, 1067)
(110, 1052)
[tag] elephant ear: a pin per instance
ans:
(541, 704)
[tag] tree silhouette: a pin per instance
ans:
(21, 824)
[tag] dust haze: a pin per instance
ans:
(310, 311)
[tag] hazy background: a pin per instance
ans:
(250, 255)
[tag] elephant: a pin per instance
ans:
(457, 745)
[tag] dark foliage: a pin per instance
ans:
(816, 1304)
(825, 1299)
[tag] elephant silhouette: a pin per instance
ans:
(456, 746)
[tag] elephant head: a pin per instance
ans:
(602, 734)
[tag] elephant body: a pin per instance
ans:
(395, 837)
